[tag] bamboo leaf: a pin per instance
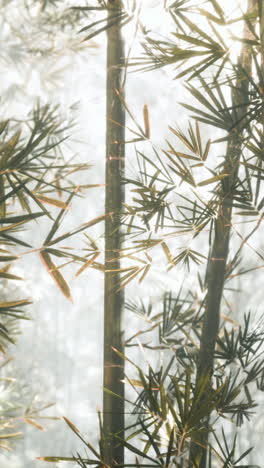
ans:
(56, 274)
(71, 425)
(135, 450)
(57, 221)
(12, 304)
(120, 19)
(3, 126)
(145, 272)
(81, 228)
(206, 151)
(62, 459)
(88, 263)
(211, 17)
(167, 252)
(53, 202)
(7, 149)
(104, 20)
(21, 218)
(35, 424)
(9, 276)
(8, 258)
(212, 180)
(146, 120)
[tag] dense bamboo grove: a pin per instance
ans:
(211, 372)
(195, 203)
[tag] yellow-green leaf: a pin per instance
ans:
(71, 425)
(32, 422)
(56, 275)
(6, 150)
(53, 202)
(212, 180)
(88, 263)
(146, 120)
(11, 304)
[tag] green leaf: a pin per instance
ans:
(8, 258)
(121, 19)
(57, 221)
(20, 218)
(7, 150)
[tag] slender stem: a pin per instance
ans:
(261, 13)
(217, 261)
(113, 407)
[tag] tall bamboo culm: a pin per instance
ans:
(113, 407)
(216, 267)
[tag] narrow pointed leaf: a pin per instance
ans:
(56, 274)
(212, 180)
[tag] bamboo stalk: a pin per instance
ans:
(216, 266)
(113, 407)
(261, 13)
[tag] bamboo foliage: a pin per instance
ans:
(216, 267)
(37, 182)
(31, 178)
(188, 200)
